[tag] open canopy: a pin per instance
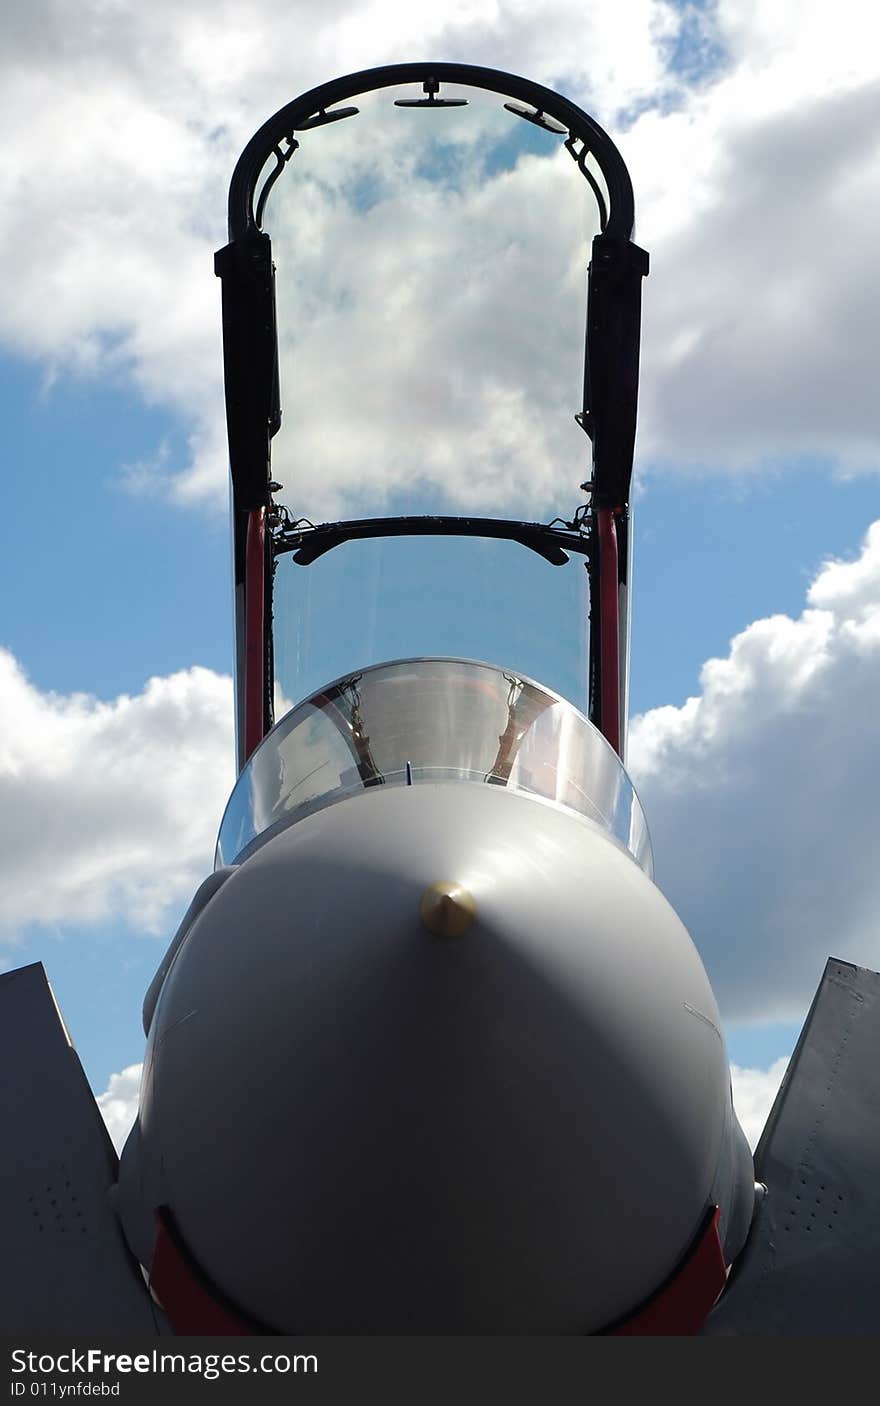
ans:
(438, 119)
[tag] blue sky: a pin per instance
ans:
(757, 466)
(714, 556)
(118, 586)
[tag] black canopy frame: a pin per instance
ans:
(253, 402)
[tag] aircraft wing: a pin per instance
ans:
(811, 1266)
(65, 1266)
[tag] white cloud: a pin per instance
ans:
(135, 117)
(110, 807)
(758, 192)
(753, 1093)
(762, 797)
(440, 343)
(758, 337)
(782, 48)
(119, 1103)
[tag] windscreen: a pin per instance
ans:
(367, 602)
(431, 284)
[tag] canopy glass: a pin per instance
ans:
(430, 285)
(419, 721)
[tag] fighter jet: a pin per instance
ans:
(430, 1052)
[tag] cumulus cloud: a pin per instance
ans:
(119, 1103)
(753, 1093)
(761, 794)
(757, 333)
(433, 340)
(757, 337)
(110, 807)
(136, 116)
(455, 336)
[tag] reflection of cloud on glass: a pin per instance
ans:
(431, 287)
(297, 764)
(281, 704)
(429, 720)
(307, 762)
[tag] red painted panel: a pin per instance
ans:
(187, 1300)
(609, 627)
(255, 628)
(682, 1306)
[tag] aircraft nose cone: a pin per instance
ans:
(376, 1101)
(447, 909)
